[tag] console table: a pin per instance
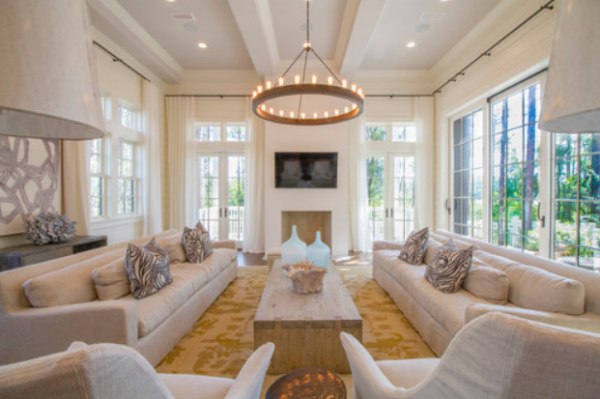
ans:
(28, 254)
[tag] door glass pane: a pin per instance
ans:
(236, 174)
(404, 194)
(208, 212)
(376, 193)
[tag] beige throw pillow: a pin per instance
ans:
(487, 283)
(111, 281)
(174, 248)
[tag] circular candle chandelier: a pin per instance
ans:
(350, 99)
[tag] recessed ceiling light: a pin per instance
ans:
(411, 44)
(171, 1)
(202, 45)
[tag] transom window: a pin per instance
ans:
(396, 132)
(220, 132)
(126, 116)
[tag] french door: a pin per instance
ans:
(221, 191)
(391, 196)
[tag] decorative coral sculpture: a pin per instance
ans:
(306, 278)
(46, 228)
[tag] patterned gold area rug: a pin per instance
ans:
(221, 341)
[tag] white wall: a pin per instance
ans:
(524, 53)
(284, 138)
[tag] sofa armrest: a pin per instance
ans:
(587, 322)
(230, 244)
(391, 245)
(34, 332)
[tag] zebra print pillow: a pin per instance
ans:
(148, 269)
(449, 268)
(196, 243)
(415, 246)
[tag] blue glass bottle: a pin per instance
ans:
(293, 250)
(318, 252)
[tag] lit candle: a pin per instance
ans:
(337, 112)
(353, 106)
(281, 81)
(315, 115)
(346, 109)
(344, 83)
(303, 115)
(297, 79)
(271, 110)
(314, 79)
(263, 107)
(353, 87)
(280, 113)
(360, 93)
(254, 94)
(330, 81)
(268, 84)
(259, 89)
(291, 114)
(326, 114)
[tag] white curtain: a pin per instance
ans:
(357, 184)
(254, 208)
(424, 163)
(180, 131)
(76, 184)
(151, 161)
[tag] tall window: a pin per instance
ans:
(467, 176)
(126, 178)
(515, 144)
(577, 199)
(98, 179)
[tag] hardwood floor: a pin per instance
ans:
(353, 259)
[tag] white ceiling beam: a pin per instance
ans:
(361, 18)
(254, 20)
(110, 18)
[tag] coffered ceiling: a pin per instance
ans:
(265, 35)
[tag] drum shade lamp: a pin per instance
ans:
(48, 83)
(572, 93)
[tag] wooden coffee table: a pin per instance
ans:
(306, 328)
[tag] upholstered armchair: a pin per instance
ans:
(494, 356)
(117, 371)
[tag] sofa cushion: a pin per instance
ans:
(69, 285)
(188, 279)
(538, 289)
(415, 246)
(196, 243)
(487, 283)
(174, 248)
(448, 270)
(432, 248)
(111, 281)
(148, 269)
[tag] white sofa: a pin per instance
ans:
(152, 325)
(438, 316)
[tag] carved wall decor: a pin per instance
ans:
(29, 180)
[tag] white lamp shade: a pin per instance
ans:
(572, 93)
(48, 82)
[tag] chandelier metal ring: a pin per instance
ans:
(308, 89)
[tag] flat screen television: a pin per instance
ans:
(306, 169)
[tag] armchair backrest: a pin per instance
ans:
(500, 356)
(86, 372)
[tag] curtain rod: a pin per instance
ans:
(488, 52)
(247, 95)
(117, 59)
(533, 75)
